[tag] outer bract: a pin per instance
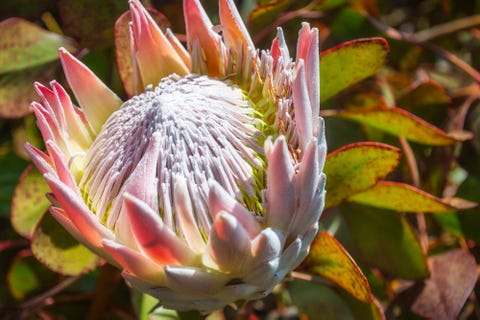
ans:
(206, 187)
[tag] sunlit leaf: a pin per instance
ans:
(122, 47)
(401, 123)
(357, 167)
(386, 240)
(330, 260)
(23, 45)
(443, 294)
(392, 195)
(59, 251)
(29, 203)
(27, 276)
(350, 62)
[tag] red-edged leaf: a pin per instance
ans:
(442, 296)
(122, 47)
(330, 260)
(29, 203)
(23, 45)
(350, 62)
(57, 249)
(393, 196)
(424, 93)
(402, 123)
(357, 167)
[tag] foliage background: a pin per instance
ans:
(418, 251)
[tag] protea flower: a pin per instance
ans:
(206, 187)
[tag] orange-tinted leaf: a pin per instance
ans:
(330, 260)
(350, 62)
(29, 203)
(266, 12)
(401, 123)
(23, 45)
(357, 167)
(57, 249)
(403, 197)
(122, 47)
(442, 296)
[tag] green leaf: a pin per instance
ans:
(29, 203)
(11, 167)
(357, 167)
(16, 89)
(91, 21)
(385, 240)
(330, 260)
(313, 299)
(422, 94)
(401, 197)
(27, 276)
(23, 45)
(349, 63)
(442, 296)
(401, 123)
(58, 250)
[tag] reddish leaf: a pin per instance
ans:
(350, 62)
(423, 94)
(330, 260)
(357, 167)
(392, 195)
(442, 296)
(401, 123)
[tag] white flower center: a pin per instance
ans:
(206, 130)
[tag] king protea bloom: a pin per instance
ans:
(206, 187)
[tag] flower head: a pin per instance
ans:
(205, 187)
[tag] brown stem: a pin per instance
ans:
(448, 28)
(411, 38)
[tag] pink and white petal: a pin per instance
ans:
(62, 218)
(185, 216)
(52, 105)
(199, 27)
(159, 243)
(61, 166)
(308, 50)
(76, 210)
(47, 125)
(135, 263)
(267, 245)
(229, 246)
(302, 107)
(289, 258)
(219, 200)
(194, 281)
(279, 49)
(155, 56)
(78, 130)
(308, 174)
(263, 275)
(95, 98)
(40, 159)
(233, 28)
(281, 193)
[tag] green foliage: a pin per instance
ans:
(403, 130)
